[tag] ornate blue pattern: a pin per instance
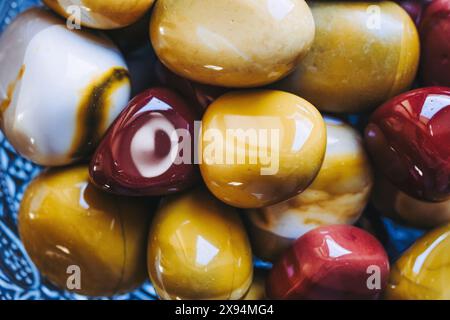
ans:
(10, 8)
(19, 278)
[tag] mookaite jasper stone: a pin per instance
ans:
(338, 195)
(101, 14)
(408, 140)
(149, 150)
(332, 262)
(435, 39)
(64, 221)
(56, 103)
(363, 53)
(198, 249)
(260, 147)
(232, 43)
(423, 272)
(395, 204)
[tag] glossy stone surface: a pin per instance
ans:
(56, 104)
(64, 221)
(149, 149)
(423, 272)
(200, 95)
(243, 43)
(357, 61)
(338, 195)
(331, 262)
(260, 147)
(101, 14)
(435, 40)
(198, 249)
(397, 205)
(408, 141)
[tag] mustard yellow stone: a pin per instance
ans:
(232, 43)
(363, 54)
(101, 14)
(65, 221)
(198, 249)
(423, 272)
(397, 205)
(338, 195)
(260, 147)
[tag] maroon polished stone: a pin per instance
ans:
(435, 41)
(332, 262)
(145, 152)
(200, 95)
(409, 141)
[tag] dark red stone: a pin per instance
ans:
(408, 138)
(332, 262)
(435, 41)
(200, 95)
(134, 157)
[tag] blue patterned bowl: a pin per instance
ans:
(19, 278)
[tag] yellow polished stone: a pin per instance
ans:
(338, 195)
(363, 54)
(260, 147)
(101, 14)
(397, 205)
(423, 272)
(198, 249)
(232, 43)
(65, 221)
